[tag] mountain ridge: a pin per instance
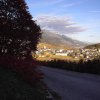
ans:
(60, 40)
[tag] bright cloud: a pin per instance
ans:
(94, 11)
(62, 25)
(73, 4)
(44, 3)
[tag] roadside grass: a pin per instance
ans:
(13, 87)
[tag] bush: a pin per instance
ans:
(25, 68)
(83, 67)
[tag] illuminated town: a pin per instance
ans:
(85, 54)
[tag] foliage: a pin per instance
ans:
(13, 87)
(83, 67)
(96, 46)
(25, 68)
(19, 34)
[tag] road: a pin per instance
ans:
(72, 85)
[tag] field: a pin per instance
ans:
(52, 57)
(48, 55)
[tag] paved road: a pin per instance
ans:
(72, 85)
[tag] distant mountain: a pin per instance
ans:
(61, 40)
(93, 46)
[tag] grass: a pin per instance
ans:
(13, 87)
(53, 57)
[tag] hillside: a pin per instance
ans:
(14, 87)
(61, 40)
(52, 46)
(93, 46)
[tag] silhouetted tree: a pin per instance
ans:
(19, 34)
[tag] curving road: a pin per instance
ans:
(72, 85)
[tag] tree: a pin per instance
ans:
(19, 34)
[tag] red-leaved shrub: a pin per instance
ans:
(26, 68)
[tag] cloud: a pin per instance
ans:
(44, 3)
(62, 25)
(49, 2)
(74, 3)
(68, 5)
(94, 11)
(71, 4)
(91, 36)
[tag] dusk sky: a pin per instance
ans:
(78, 19)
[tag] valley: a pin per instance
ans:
(54, 46)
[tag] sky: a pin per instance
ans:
(78, 19)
